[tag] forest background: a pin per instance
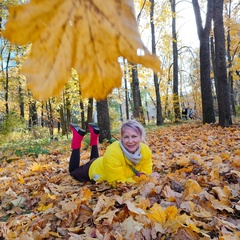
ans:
(194, 190)
(194, 76)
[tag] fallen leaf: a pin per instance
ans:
(21, 179)
(36, 167)
(130, 227)
(134, 209)
(43, 208)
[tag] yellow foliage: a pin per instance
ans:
(21, 179)
(53, 197)
(43, 208)
(236, 161)
(88, 36)
(225, 155)
(157, 214)
(237, 152)
(193, 227)
(166, 216)
(144, 204)
(191, 188)
(86, 194)
(187, 203)
(36, 167)
(171, 213)
(217, 160)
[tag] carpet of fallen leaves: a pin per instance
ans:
(192, 194)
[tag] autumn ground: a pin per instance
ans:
(193, 193)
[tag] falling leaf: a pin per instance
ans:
(88, 36)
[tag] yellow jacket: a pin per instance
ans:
(113, 166)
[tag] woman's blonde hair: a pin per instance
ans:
(136, 126)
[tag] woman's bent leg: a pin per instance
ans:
(81, 173)
(74, 160)
(94, 152)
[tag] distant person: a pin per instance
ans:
(184, 113)
(121, 161)
(192, 114)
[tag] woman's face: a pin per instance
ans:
(131, 140)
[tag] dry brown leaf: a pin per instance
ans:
(130, 227)
(88, 36)
(132, 208)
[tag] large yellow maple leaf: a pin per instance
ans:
(88, 36)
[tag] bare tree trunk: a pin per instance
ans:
(68, 110)
(175, 63)
(212, 47)
(234, 111)
(21, 99)
(62, 120)
(82, 112)
(42, 115)
(230, 59)
(89, 111)
(50, 118)
(203, 35)
(126, 87)
(7, 82)
(167, 111)
(159, 117)
(223, 93)
(103, 120)
(137, 102)
(33, 117)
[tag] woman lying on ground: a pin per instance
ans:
(121, 161)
